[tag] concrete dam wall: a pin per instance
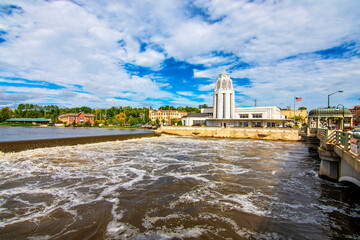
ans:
(17, 146)
(244, 133)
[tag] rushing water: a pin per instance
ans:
(35, 133)
(173, 188)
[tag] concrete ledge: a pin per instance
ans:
(328, 155)
(243, 133)
(17, 146)
(349, 157)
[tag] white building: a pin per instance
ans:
(224, 113)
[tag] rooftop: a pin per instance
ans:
(330, 112)
(28, 120)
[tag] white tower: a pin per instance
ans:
(224, 97)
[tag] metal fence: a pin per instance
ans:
(347, 140)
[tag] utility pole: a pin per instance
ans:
(255, 103)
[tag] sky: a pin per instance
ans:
(144, 53)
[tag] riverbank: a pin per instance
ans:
(241, 133)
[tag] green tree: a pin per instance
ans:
(203, 106)
(96, 123)
(87, 123)
(85, 110)
(157, 121)
(167, 108)
(179, 123)
(5, 113)
(302, 108)
(173, 121)
(131, 120)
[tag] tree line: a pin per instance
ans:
(113, 115)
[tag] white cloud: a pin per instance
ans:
(208, 87)
(189, 94)
(88, 44)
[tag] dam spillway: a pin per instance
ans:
(17, 146)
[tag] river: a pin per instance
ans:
(173, 187)
(36, 133)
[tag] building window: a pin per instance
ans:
(244, 116)
(257, 115)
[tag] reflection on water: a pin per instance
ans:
(35, 133)
(173, 187)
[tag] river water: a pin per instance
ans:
(36, 133)
(173, 187)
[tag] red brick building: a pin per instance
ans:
(79, 118)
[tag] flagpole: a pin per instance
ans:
(294, 110)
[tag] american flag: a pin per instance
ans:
(298, 99)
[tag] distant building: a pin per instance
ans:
(356, 113)
(224, 113)
(29, 120)
(289, 114)
(79, 118)
(197, 119)
(166, 115)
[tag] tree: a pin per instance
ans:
(120, 118)
(302, 108)
(157, 121)
(85, 110)
(173, 121)
(96, 123)
(163, 121)
(131, 121)
(203, 106)
(179, 123)
(167, 108)
(5, 114)
(87, 123)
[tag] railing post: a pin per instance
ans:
(347, 141)
(326, 134)
(338, 137)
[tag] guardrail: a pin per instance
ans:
(348, 140)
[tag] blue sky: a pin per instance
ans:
(159, 52)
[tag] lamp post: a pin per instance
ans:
(332, 94)
(343, 109)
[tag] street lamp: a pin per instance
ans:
(343, 108)
(330, 95)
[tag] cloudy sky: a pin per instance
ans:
(160, 52)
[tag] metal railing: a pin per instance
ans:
(347, 140)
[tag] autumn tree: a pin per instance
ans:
(120, 118)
